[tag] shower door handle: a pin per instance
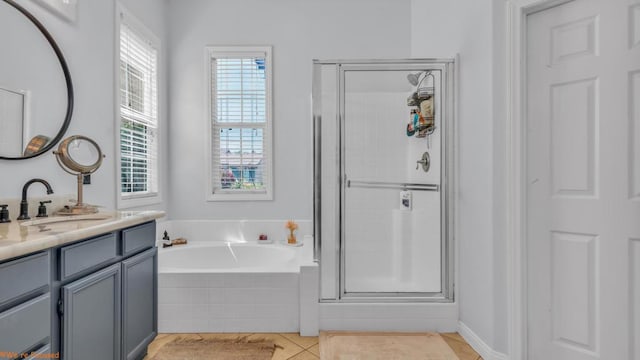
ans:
(390, 185)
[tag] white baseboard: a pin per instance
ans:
(479, 345)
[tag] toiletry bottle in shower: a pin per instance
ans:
(411, 125)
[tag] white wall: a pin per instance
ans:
(299, 32)
(500, 253)
(88, 46)
(36, 69)
(465, 28)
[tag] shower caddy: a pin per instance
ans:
(422, 116)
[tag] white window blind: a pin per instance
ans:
(138, 114)
(240, 122)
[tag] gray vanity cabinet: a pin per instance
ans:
(91, 316)
(139, 303)
(90, 299)
(109, 295)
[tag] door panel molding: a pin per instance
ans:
(634, 297)
(634, 25)
(574, 284)
(634, 134)
(578, 35)
(574, 138)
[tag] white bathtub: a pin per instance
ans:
(218, 286)
(229, 258)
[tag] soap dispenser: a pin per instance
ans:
(4, 214)
(166, 241)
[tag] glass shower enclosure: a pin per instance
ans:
(383, 169)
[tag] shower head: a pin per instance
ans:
(413, 78)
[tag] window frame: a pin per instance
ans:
(210, 153)
(123, 16)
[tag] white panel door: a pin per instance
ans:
(583, 173)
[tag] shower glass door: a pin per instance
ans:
(391, 223)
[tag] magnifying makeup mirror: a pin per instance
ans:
(78, 155)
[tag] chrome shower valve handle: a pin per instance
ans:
(425, 162)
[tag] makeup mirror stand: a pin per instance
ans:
(80, 170)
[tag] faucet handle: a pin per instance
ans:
(42, 209)
(4, 214)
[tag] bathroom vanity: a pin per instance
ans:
(84, 289)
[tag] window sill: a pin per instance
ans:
(138, 201)
(230, 196)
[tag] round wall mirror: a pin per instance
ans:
(36, 93)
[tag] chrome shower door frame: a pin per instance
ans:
(447, 118)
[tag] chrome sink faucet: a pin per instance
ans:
(24, 205)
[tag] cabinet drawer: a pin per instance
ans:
(26, 325)
(138, 238)
(24, 275)
(86, 255)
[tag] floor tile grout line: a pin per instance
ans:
(293, 342)
(301, 345)
(312, 354)
(296, 354)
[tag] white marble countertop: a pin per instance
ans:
(17, 240)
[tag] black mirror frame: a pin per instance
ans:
(67, 76)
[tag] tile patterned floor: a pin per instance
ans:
(292, 346)
(460, 346)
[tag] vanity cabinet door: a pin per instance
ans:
(139, 303)
(91, 316)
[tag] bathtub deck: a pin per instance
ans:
(295, 347)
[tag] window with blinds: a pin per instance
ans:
(138, 113)
(240, 89)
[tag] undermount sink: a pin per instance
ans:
(66, 219)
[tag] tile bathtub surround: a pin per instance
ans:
(228, 302)
(231, 230)
(292, 346)
(237, 301)
(309, 295)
